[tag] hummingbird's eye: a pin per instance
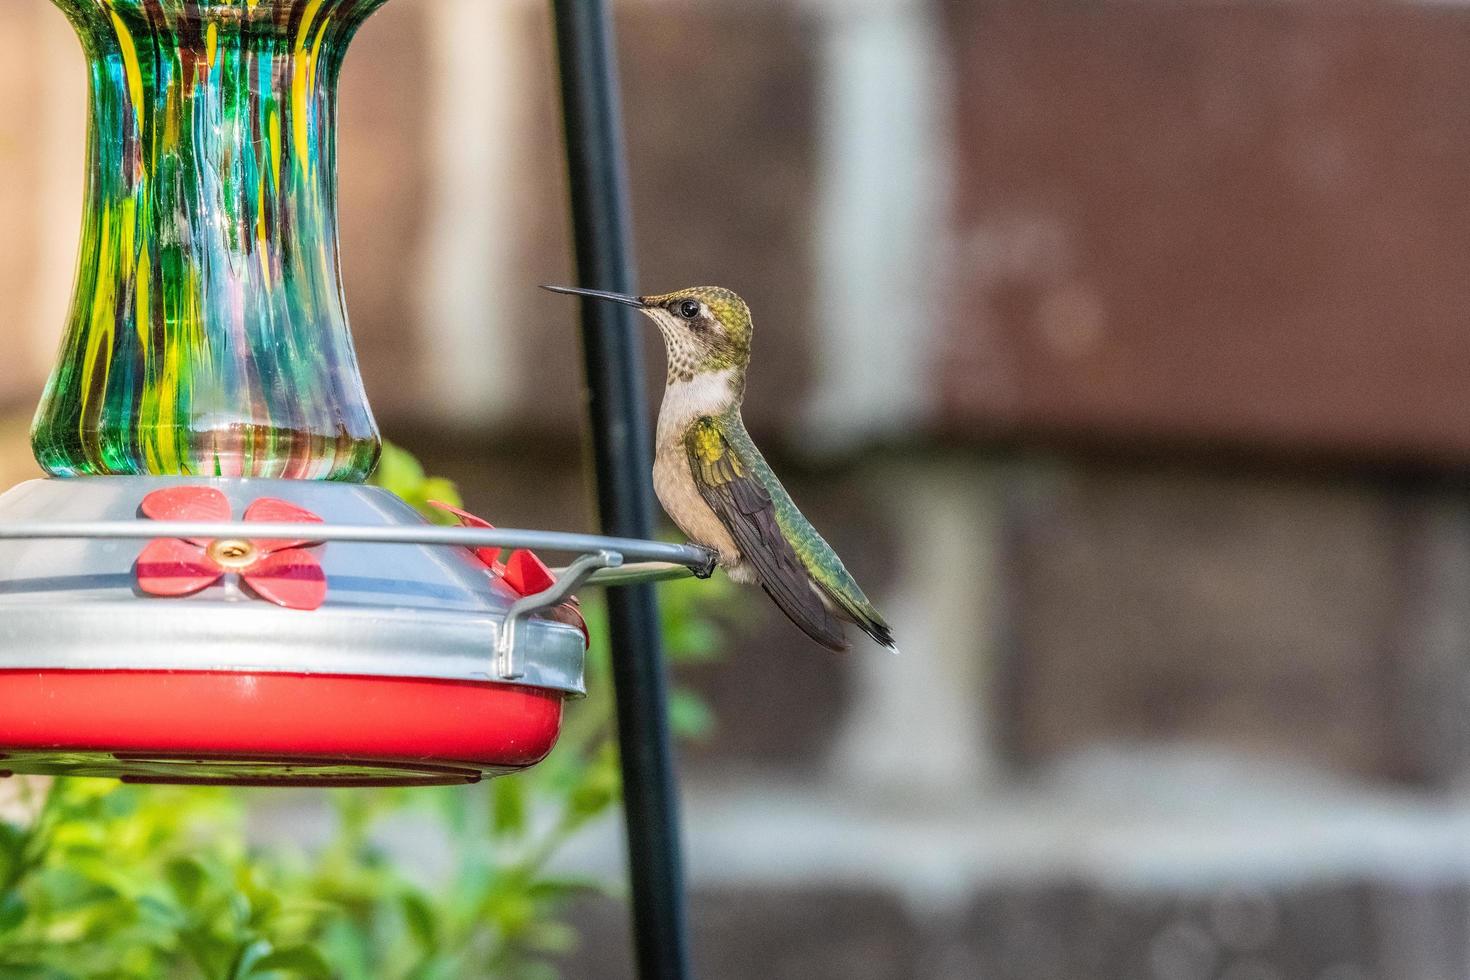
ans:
(688, 309)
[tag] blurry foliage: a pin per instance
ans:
(101, 880)
(398, 470)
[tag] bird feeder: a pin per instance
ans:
(204, 590)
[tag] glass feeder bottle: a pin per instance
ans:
(207, 334)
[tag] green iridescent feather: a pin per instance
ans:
(722, 455)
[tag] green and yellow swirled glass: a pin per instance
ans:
(208, 334)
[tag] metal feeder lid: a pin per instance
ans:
(420, 667)
(392, 610)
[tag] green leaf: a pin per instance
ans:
(210, 954)
(689, 716)
(248, 959)
(564, 888)
(240, 906)
(692, 641)
(442, 490)
(551, 937)
(186, 876)
(68, 889)
(420, 919)
(398, 470)
(598, 791)
(151, 908)
(12, 838)
(508, 807)
(12, 911)
(298, 961)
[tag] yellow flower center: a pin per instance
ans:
(233, 553)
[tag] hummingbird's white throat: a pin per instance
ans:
(709, 393)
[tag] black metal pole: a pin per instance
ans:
(623, 457)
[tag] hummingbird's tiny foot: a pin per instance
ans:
(712, 561)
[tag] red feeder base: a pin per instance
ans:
(270, 729)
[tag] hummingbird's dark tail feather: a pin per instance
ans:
(810, 616)
(874, 626)
(858, 611)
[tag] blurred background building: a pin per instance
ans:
(1121, 347)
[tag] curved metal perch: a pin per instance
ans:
(699, 561)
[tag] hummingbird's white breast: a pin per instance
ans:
(710, 393)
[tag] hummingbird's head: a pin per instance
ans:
(705, 328)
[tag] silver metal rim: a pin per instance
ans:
(249, 637)
(542, 654)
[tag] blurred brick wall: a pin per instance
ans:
(1356, 930)
(1234, 226)
(384, 187)
(1168, 604)
(1240, 223)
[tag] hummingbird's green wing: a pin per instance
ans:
(744, 506)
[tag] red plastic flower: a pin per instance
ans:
(523, 572)
(278, 570)
(489, 557)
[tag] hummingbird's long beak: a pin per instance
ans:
(632, 301)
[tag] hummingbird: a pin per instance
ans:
(715, 484)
